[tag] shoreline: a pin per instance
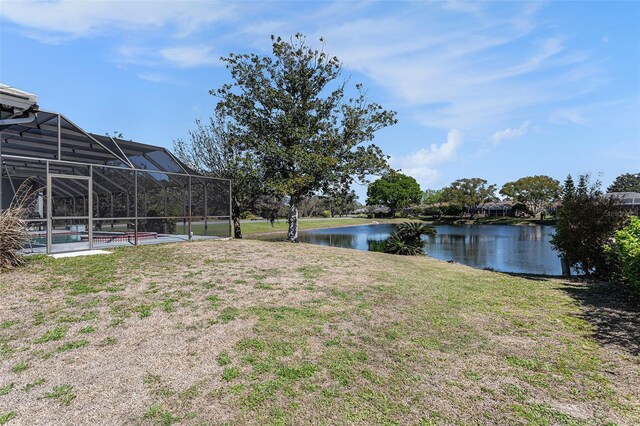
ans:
(399, 220)
(263, 234)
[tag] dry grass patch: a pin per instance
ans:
(248, 332)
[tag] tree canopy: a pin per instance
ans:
(469, 193)
(291, 110)
(213, 150)
(432, 196)
(394, 190)
(533, 191)
(628, 182)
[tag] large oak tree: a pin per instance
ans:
(533, 191)
(627, 182)
(469, 193)
(394, 190)
(291, 109)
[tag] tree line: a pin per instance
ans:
(530, 195)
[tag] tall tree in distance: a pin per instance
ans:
(568, 189)
(469, 193)
(628, 182)
(291, 110)
(535, 192)
(214, 151)
(395, 191)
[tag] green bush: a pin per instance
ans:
(326, 214)
(453, 210)
(435, 212)
(628, 245)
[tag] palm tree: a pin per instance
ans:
(407, 239)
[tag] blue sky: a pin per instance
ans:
(493, 90)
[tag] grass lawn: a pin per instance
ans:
(281, 225)
(250, 227)
(251, 332)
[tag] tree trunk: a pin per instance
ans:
(237, 232)
(292, 234)
(235, 216)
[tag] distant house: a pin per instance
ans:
(500, 208)
(630, 200)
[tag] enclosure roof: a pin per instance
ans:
(38, 140)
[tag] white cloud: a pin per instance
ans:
(471, 67)
(510, 133)
(60, 19)
(153, 77)
(177, 56)
(421, 163)
(189, 56)
(448, 65)
(568, 116)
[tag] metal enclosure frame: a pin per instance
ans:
(62, 153)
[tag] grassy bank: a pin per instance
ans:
(260, 227)
(249, 332)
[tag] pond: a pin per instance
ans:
(506, 248)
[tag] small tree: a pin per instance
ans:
(628, 182)
(395, 191)
(290, 110)
(535, 192)
(470, 193)
(587, 221)
(214, 151)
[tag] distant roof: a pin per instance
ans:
(624, 194)
(627, 198)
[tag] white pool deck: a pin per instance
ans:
(78, 253)
(79, 247)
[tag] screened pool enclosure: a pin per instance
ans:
(90, 191)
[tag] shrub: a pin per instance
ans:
(453, 210)
(433, 212)
(13, 229)
(326, 214)
(628, 245)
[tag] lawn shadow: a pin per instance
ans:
(613, 310)
(610, 307)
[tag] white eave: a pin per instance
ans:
(18, 100)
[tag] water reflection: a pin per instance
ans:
(333, 240)
(523, 249)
